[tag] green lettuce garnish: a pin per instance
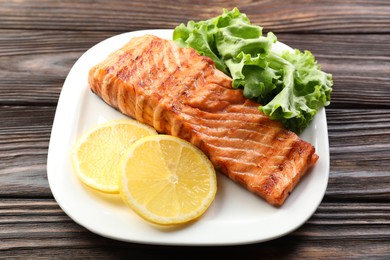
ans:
(290, 85)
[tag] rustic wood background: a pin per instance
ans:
(39, 42)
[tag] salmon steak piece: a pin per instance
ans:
(181, 93)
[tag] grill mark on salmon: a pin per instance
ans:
(179, 92)
(225, 127)
(232, 116)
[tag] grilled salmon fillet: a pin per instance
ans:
(181, 93)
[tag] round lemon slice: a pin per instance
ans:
(167, 180)
(96, 155)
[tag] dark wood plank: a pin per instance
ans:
(359, 150)
(33, 72)
(35, 63)
(292, 16)
(33, 228)
(24, 140)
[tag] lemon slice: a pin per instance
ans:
(96, 155)
(167, 180)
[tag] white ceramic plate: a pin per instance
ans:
(235, 217)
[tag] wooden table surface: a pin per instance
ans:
(40, 41)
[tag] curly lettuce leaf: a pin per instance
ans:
(199, 36)
(254, 75)
(222, 37)
(305, 89)
(290, 86)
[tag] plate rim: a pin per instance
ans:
(53, 167)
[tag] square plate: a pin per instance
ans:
(235, 217)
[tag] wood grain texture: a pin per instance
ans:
(24, 140)
(277, 15)
(35, 63)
